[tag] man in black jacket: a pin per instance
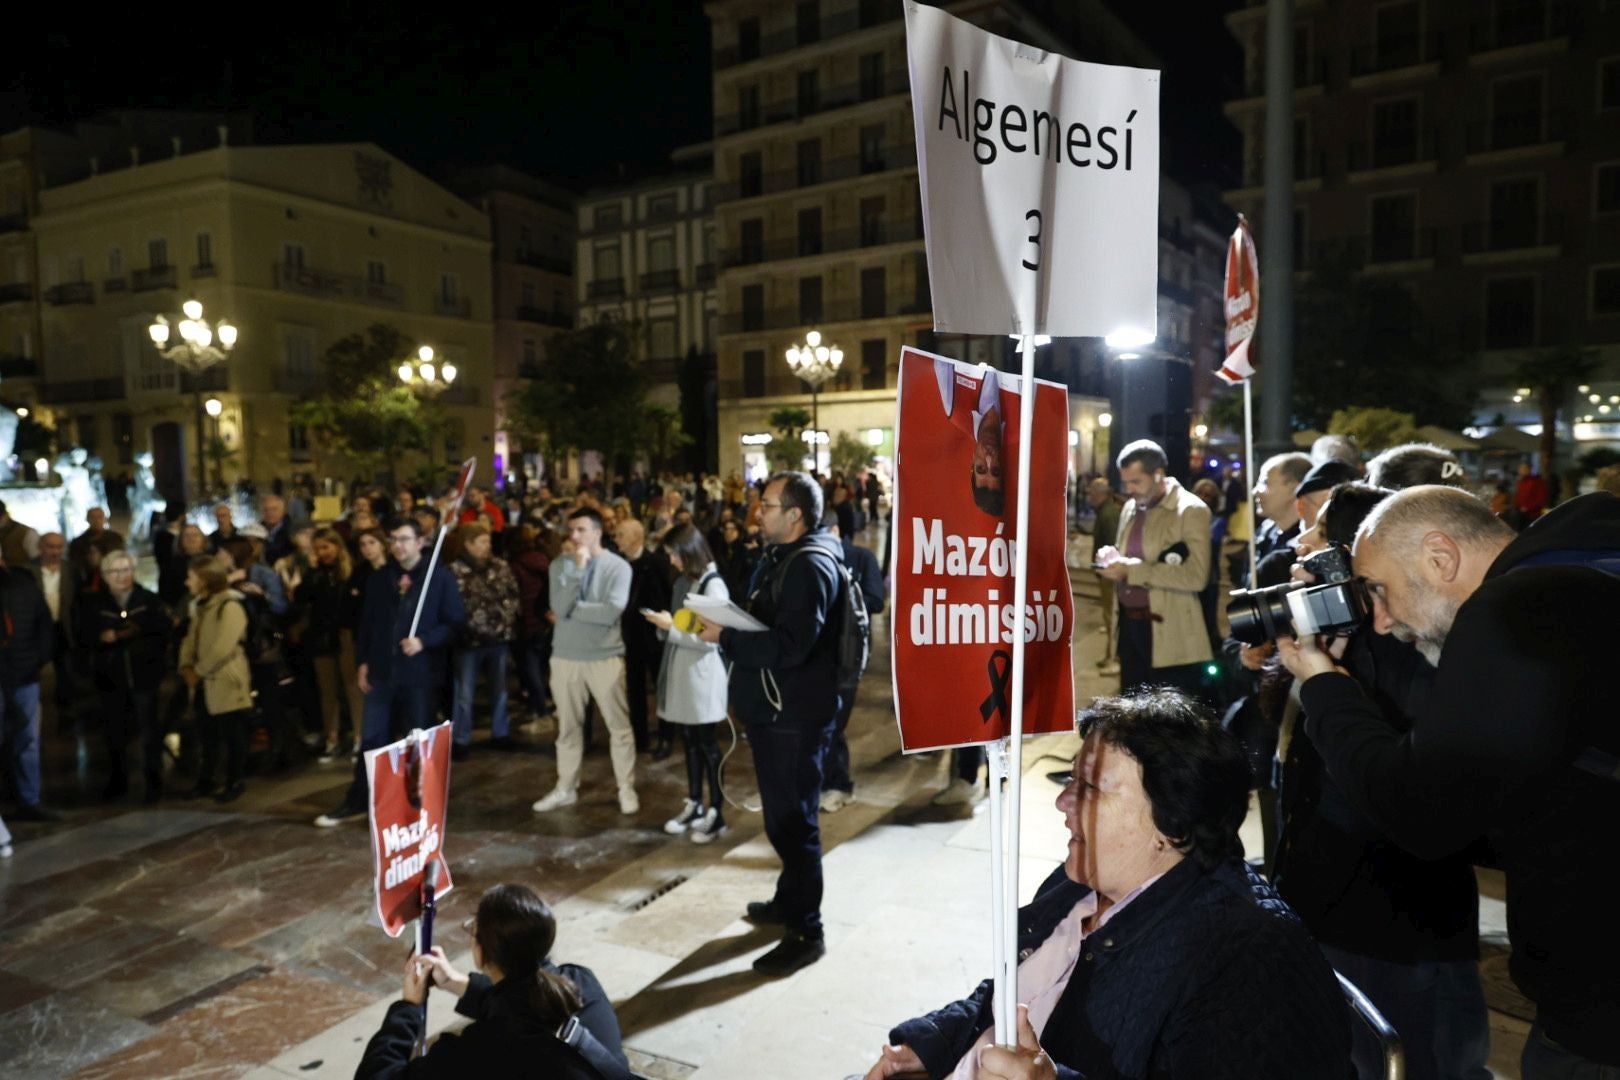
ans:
(649, 591)
(125, 630)
(1518, 739)
(26, 641)
(784, 686)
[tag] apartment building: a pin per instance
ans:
(1470, 150)
(298, 246)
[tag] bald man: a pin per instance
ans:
(1518, 741)
(650, 588)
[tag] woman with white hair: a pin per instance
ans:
(125, 630)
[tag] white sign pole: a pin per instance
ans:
(1249, 467)
(996, 753)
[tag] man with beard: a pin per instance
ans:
(1518, 739)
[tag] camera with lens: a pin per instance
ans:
(1335, 605)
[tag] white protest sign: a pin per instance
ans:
(1040, 184)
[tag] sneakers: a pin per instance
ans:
(764, 913)
(795, 951)
(329, 754)
(336, 817)
(708, 828)
(690, 812)
(959, 793)
(628, 802)
(556, 799)
(833, 800)
(5, 851)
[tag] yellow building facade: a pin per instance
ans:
(297, 246)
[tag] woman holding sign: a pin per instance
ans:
(1154, 950)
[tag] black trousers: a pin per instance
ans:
(788, 757)
(638, 669)
(837, 776)
(127, 712)
(1136, 669)
(227, 728)
(702, 745)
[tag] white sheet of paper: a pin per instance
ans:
(723, 613)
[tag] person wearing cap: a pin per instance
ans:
(1313, 491)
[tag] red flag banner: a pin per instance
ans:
(410, 789)
(955, 542)
(457, 497)
(1242, 303)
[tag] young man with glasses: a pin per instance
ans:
(401, 675)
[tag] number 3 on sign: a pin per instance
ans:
(1035, 240)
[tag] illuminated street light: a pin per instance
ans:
(424, 376)
(195, 353)
(815, 363)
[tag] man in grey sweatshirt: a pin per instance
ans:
(590, 587)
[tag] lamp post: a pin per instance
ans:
(815, 363)
(426, 377)
(194, 354)
(213, 407)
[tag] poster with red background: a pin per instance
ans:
(410, 789)
(955, 522)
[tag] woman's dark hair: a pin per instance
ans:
(515, 929)
(688, 543)
(1195, 774)
(240, 549)
(1347, 507)
(213, 576)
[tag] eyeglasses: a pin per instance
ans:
(402, 539)
(771, 505)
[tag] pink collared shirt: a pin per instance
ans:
(1044, 974)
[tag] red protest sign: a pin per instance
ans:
(1242, 303)
(457, 497)
(955, 540)
(410, 788)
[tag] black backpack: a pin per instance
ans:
(261, 640)
(852, 623)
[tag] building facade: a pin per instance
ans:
(1469, 150)
(298, 246)
(533, 229)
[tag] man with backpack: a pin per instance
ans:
(862, 567)
(1517, 740)
(785, 687)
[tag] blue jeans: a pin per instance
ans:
(491, 659)
(389, 713)
(532, 655)
(19, 709)
(1544, 1059)
(1436, 1007)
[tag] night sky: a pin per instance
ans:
(578, 92)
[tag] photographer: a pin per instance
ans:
(1517, 739)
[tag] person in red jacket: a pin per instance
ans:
(1530, 497)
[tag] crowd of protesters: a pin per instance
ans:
(257, 649)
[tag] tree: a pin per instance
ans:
(359, 407)
(787, 450)
(850, 455)
(1551, 376)
(589, 392)
(1374, 429)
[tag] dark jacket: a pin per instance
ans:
(27, 636)
(1354, 888)
(317, 607)
(385, 621)
(136, 661)
(788, 672)
(650, 588)
(863, 567)
(504, 1040)
(1525, 690)
(532, 570)
(1206, 975)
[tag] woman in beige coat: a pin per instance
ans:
(212, 655)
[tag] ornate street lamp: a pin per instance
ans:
(214, 407)
(424, 376)
(815, 363)
(194, 354)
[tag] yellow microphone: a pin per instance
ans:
(686, 620)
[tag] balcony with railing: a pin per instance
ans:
(1308, 72)
(214, 380)
(73, 292)
(545, 316)
(783, 110)
(830, 313)
(204, 270)
(76, 390)
(866, 14)
(1397, 53)
(605, 289)
(1391, 153)
(1538, 24)
(660, 281)
(296, 383)
(18, 367)
(550, 263)
(1392, 247)
(16, 292)
(829, 172)
(873, 234)
(153, 278)
(115, 284)
(1513, 234)
(1509, 132)
(332, 285)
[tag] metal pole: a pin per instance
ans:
(201, 473)
(1006, 985)
(1248, 474)
(1276, 342)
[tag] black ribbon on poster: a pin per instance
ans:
(1000, 681)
